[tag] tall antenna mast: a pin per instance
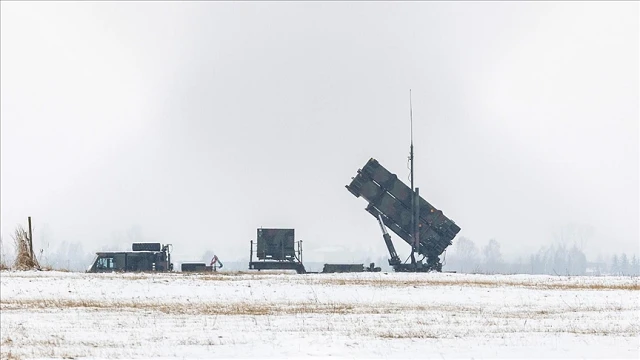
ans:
(411, 147)
(414, 220)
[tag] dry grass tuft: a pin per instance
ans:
(24, 260)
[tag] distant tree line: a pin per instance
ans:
(558, 259)
(622, 265)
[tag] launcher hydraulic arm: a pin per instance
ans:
(395, 260)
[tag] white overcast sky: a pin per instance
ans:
(199, 122)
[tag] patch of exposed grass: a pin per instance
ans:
(408, 334)
(575, 283)
(10, 356)
(396, 281)
(635, 286)
(183, 308)
(241, 308)
(283, 308)
(51, 268)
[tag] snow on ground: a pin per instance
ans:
(362, 315)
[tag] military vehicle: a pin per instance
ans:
(276, 250)
(195, 267)
(344, 268)
(143, 257)
(395, 206)
(202, 267)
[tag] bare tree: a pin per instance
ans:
(635, 265)
(615, 265)
(577, 261)
(624, 264)
(466, 254)
(493, 256)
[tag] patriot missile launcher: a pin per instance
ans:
(390, 202)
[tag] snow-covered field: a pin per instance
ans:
(363, 315)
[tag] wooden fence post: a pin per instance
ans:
(30, 239)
